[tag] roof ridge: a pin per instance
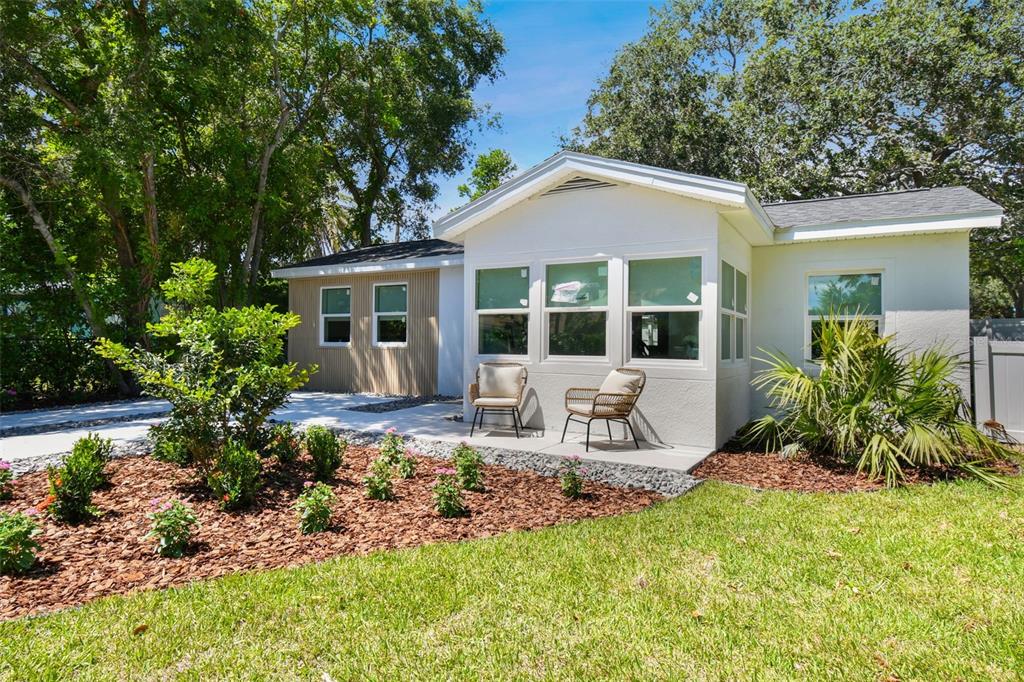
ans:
(865, 194)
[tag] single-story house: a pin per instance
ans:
(583, 264)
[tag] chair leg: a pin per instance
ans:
(566, 427)
(608, 423)
(589, 422)
(516, 414)
(515, 424)
(635, 442)
(473, 427)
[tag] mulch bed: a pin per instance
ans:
(773, 472)
(110, 555)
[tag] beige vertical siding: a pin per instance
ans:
(361, 367)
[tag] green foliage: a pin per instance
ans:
(326, 450)
(236, 477)
(392, 447)
(406, 466)
(17, 544)
(6, 480)
(73, 483)
(491, 169)
(93, 452)
(570, 477)
(168, 445)
(378, 480)
(314, 508)
(284, 444)
(172, 526)
(468, 467)
(224, 376)
(447, 494)
(874, 406)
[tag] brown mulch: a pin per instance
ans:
(110, 555)
(773, 472)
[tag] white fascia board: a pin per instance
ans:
(433, 263)
(889, 228)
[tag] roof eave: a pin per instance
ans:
(370, 267)
(890, 228)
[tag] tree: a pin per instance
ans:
(491, 169)
(818, 99)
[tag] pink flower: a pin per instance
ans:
(307, 484)
(154, 502)
(444, 471)
(166, 506)
(31, 511)
(4, 464)
(583, 472)
(574, 458)
(391, 430)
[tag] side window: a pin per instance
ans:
(502, 310)
(663, 306)
(733, 326)
(335, 316)
(844, 296)
(390, 314)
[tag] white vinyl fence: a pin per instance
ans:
(998, 383)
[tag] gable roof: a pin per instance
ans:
(401, 255)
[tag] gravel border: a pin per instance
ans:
(76, 425)
(405, 403)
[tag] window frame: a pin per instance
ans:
(376, 315)
(809, 319)
(734, 315)
(546, 310)
(688, 308)
(324, 316)
(525, 312)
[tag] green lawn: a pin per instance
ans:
(723, 583)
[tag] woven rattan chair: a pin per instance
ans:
(499, 388)
(613, 402)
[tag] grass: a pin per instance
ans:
(723, 583)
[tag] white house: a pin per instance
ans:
(583, 264)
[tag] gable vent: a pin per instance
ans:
(577, 183)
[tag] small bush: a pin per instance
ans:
(172, 526)
(93, 454)
(169, 446)
(392, 447)
(447, 494)
(378, 480)
(468, 465)
(236, 477)
(406, 466)
(570, 477)
(6, 480)
(17, 546)
(326, 450)
(284, 444)
(314, 507)
(72, 485)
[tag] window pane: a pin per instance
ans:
(741, 342)
(673, 336)
(503, 334)
(816, 333)
(741, 292)
(728, 286)
(726, 340)
(337, 329)
(390, 299)
(845, 294)
(576, 334)
(336, 301)
(665, 281)
(391, 329)
(503, 288)
(577, 284)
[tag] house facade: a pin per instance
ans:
(584, 264)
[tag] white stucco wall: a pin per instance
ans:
(925, 290)
(733, 396)
(617, 223)
(450, 335)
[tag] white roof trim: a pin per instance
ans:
(891, 227)
(431, 263)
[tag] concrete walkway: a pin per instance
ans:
(430, 422)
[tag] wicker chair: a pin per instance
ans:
(499, 388)
(613, 402)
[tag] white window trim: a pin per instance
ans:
(547, 310)
(501, 311)
(735, 315)
(376, 315)
(688, 308)
(808, 318)
(324, 316)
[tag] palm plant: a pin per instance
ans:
(874, 405)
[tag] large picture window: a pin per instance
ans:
(663, 307)
(335, 316)
(390, 314)
(576, 303)
(845, 296)
(733, 327)
(502, 310)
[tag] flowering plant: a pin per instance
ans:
(378, 480)
(571, 475)
(467, 467)
(6, 480)
(17, 546)
(314, 507)
(447, 494)
(406, 465)
(392, 447)
(173, 523)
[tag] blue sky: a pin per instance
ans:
(555, 53)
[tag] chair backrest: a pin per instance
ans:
(624, 380)
(501, 379)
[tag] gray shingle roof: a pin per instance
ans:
(917, 203)
(422, 248)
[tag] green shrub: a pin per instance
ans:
(6, 480)
(570, 477)
(406, 466)
(468, 469)
(223, 374)
(236, 476)
(392, 447)
(169, 446)
(378, 481)
(314, 507)
(285, 443)
(326, 450)
(17, 544)
(72, 484)
(874, 406)
(173, 524)
(93, 454)
(447, 494)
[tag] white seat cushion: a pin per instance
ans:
(620, 382)
(495, 402)
(500, 381)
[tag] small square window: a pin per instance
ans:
(335, 316)
(577, 333)
(390, 318)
